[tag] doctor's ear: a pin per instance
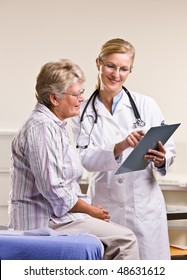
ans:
(97, 63)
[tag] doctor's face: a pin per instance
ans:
(114, 70)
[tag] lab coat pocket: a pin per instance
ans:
(148, 200)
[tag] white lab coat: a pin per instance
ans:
(133, 199)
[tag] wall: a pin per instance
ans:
(38, 31)
(35, 32)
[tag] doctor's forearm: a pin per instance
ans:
(120, 147)
(99, 159)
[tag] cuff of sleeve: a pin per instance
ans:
(119, 159)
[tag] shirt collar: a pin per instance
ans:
(115, 101)
(43, 109)
(121, 99)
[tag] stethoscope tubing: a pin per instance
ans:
(139, 121)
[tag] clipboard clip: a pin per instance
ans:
(163, 122)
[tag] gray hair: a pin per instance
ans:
(57, 77)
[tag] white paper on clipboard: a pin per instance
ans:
(135, 161)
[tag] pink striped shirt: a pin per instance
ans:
(45, 173)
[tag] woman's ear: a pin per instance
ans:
(97, 63)
(53, 99)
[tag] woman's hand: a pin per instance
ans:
(97, 211)
(157, 156)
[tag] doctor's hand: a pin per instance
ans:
(131, 140)
(157, 156)
(134, 138)
(98, 212)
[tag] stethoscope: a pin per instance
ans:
(138, 120)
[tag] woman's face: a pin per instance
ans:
(114, 70)
(69, 104)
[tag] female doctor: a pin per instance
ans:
(110, 126)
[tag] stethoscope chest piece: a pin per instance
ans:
(139, 122)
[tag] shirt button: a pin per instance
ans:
(120, 180)
(121, 205)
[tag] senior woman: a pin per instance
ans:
(45, 177)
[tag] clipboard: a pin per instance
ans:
(135, 161)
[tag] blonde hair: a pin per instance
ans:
(116, 45)
(57, 77)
